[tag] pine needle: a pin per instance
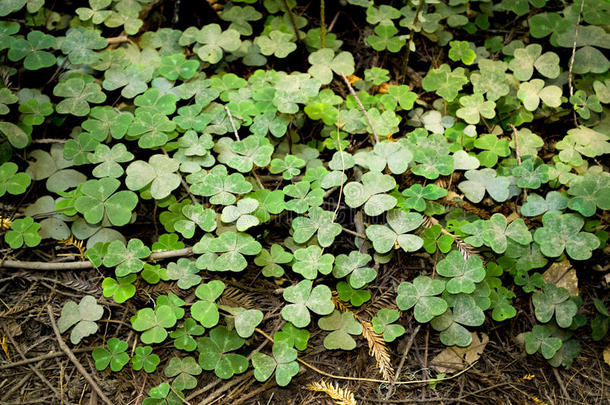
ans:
(342, 396)
(378, 349)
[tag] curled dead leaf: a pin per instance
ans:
(562, 275)
(455, 358)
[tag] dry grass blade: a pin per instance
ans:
(383, 300)
(378, 349)
(234, 297)
(340, 305)
(342, 396)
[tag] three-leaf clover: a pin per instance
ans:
(195, 216)
(283, 363)
(416, 195)
(460, 50)
(554, 300)
(232, 248)
(120, 289)
(159, 173)
(145, 359)
(32, 50)
(562, 231)
(271, 259)
(422, 293)
(205, 310)
(153, 323)
(384, 38)
(465, 312)
(214, 353)
(356, 297)
(220, 186)
(295, 337)
(445, 82)
(529, 57)
(290, 166)
(342, 325)
(108, 160)
(320, 222)
(554, 201)
(213, 41)
(23, 231)
(183, 336)
(309, 261)
(114, 356)
(588, 192)
(355, 267)
(495, 232)
(176, 65)
(483, 180)
(385, 237)
(99, 200)
(77, 95)
(463, 273)
(184, 371)
(276, 43)
(185, 271)
(303, 298)
(79, 45)
(533, 91)
(83, 315)
(371, 193)
(383, 323)
(541, 339)
(324, 62)
(127, 259)
(242, 214)
(474, 107)
(12, 182)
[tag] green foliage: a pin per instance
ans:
(283, 363)
(303, 298)
(214, 353)
(144, 358)
(383, 324)
(342, 325)
(82, 316)
(114, 356)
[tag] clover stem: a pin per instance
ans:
(351, 90)
(232, 122)
(322, 25)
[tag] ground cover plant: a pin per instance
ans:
(229, 202)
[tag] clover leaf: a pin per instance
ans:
(172, 301)
(184, 371)
(304, 298)
(205, 310)
(474, 107)
(562, 231)
(582, 140)
(384, 38)
(153, 323)
(293, 336)
(463, 273)
(501, 300)
(12, 182)
(271, 259)
(99, 200)
(393, 154)
(529, 57)
(114, 356)
(483, 180)
(554, 201)
(495, 233)
(23, 231)
(490, 79)
(145, 358)
(105, 121)
(451, 324)
(584, 104)
(303, 197)
(32, 50)
(214, 353)
(276, 43)
(320, 222)
(289, 166)
(120, 289)
(232, 248)
(221, 187)
(109, 160)
(159, 173)
(195, 216)
(213, 41)
(541, 339)
(356, 297)
(421, 293)
(83, 315)
(588, 192)
(416, 195)
(79, 45)
(183, 336)
(77, 95)
(133, 79)
(240, 18)
(371, 193)
(355, 267)
(533, 91)
(283, 363)
(33, 110)
(342, 325)
(243, 214)
(126, 258)
(554, 300)
(309, 261)
(185, 272)
(492, 148)
(176, 65)
(433, 238)
(324, 62)
(445, 82)
(530, 175)
(460, 50)
(384, 324)
(385, 237)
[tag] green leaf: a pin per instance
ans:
(23, 231)
(233, 247)
(475, 106)
(309, 261)
(153, 323)
(32, 50)
(246, 321)
(99, 201)
(79, 45)
(10, 6)
(205, 310)
(195, 217)
(283, 362)
(184, 371)
(355, 267)
(356, 297)
(384, 238)
(541, 339)
(324, 62)
(445, 82)
(304, 298)
(384, 324)
(342, 325)
(220, 186)
(183, 336)
(562, 231)
(120, 289)
(177, 66)
(588, 192)
(144, 358)
(384, 38)
(276, 43)
(371, 193)
(185, 272)
(214, 353)
(12, 182)
(159, 173)
(82, 315)
(15, 135)
(213, 41)
(554, 300)
(271, 259)
(320, 222)
(460, 50)
(77, 95)
(421, 294)
(483, 180)
(114, 356)
(451, 324)
(463, 273)
(533, 91)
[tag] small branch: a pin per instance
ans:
(49, 140)
(322, 25)
(293, 20)
(46, 266)
(342, 170)
(232, 122)
(75, 361)
(351, 90)
(402, 361)
(582, 4)
(516, 138)
(359, 235)
(117, 40)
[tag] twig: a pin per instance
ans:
(212, 397)
(582, 4)
(293, 20)
(342, 167)
(41, 357)
(322, 25)
(402, 361)
(74, 360)
(561, 384)
(232, 122)
(373, 380)
(516, 143)
(16, 264)
(359, 235)
(49, 140)
(366, 115)
(117, 40)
